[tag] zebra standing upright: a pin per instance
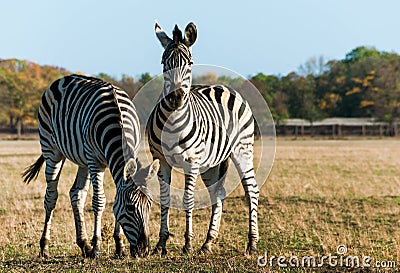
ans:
(94, 124)
(210, 125)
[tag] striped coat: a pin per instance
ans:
(200, 129)
(94, 124)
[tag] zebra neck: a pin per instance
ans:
(117, 170)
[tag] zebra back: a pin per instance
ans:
(80, 114)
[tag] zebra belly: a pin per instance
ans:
(72, 150)
(71, 144)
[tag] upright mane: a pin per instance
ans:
(130, 133)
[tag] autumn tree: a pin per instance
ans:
(21, 85)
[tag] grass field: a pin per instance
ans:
(320, 194)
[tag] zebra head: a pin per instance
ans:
(132, 205)
(177, 63)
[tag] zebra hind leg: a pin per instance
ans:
(78, 195)
(98, 205)
(214, 180)
(53, 170)
(242, 157)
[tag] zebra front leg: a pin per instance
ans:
(188, 205)
(214, 180)
(98, 204)
(53, 170)
(119, 244)
(78, 195)
(164, 178)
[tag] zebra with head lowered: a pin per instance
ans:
(94, 124)
(200, 128)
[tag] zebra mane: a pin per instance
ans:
(121, 117)
(127, 149)
(177, 35)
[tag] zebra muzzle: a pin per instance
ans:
(140, 250)
(175, 98)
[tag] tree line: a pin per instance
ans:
(365, 83)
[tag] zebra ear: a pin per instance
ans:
(130, 169)
(153, 169)
(162, 36)
(190, 34)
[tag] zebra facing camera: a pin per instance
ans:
(264, 142)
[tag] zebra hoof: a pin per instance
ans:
(160, 251)
(96, 249)
(44, 253)
(251, 250)
(95, 253)
(119, 247)
(120, 253)
(44, 248)
(86, 251)
(85, 247)
(187, 249)
(205, 249)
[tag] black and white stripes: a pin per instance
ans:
(94, 124)
(200, 128)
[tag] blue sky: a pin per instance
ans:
(115, 37)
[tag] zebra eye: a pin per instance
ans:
(130, 207)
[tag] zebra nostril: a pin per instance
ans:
(179, 93)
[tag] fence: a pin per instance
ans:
(333, 127)
(338, 127)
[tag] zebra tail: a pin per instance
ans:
(31, 172)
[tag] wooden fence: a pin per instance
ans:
(338, 127)
(332, 127)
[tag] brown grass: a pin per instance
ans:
(320, 194)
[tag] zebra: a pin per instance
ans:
(94, 124)
(210, 125)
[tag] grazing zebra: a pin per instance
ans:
(200, 128)
(94, 124)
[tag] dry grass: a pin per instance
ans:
(320, 194)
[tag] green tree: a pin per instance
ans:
(384, 96)
(270, 87)
(360, 53)
(302, 98)
(145, 78)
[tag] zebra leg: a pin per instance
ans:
(118, 238)
(242, 157)
(214, 180)
(78, 195)
(98, 205)
(164, 178)
(188, 205)
(53, 170)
